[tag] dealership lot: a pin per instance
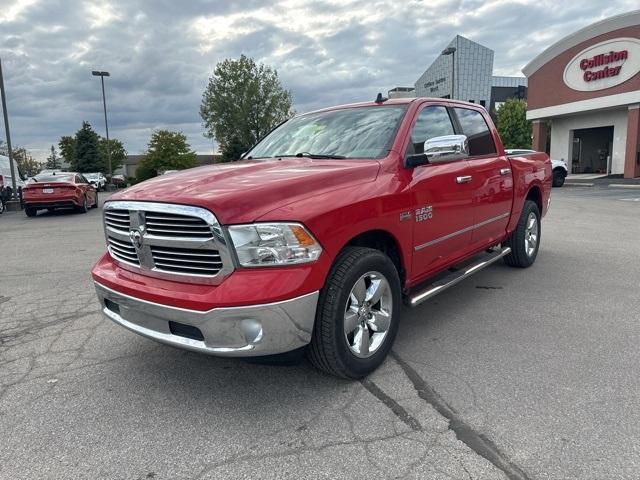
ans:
(537, 368)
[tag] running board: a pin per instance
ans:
(456, 277)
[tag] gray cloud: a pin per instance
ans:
(161, 53)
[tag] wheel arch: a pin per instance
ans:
(535, 195)
(385, 242)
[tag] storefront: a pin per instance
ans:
(584, 91)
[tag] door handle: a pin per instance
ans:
(505, 171)
(464, 179)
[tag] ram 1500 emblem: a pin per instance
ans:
(424, 213)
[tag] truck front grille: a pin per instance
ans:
(167, 241)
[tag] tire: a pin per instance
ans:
(558, 177)
(525, 239)
(1, 207)
(357, 353)
(84, 208)
(31, 212)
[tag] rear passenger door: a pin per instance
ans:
(491, 177)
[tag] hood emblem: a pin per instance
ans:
(137, 237)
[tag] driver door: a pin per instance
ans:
(442, 196)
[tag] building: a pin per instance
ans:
(586, 88)
(401, 92)
(464, 71)
(130, 164)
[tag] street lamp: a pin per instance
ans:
(451, 51)
(100, 74)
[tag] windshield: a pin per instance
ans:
(92, 176)
(365, 132)
(53, 178)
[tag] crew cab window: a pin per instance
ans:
(477, 131)
(432, 122)
(360, 132)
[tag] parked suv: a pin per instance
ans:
(316, 237)
(98, 180)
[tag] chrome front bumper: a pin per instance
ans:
(230, 331)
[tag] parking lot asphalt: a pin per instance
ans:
(511, 374)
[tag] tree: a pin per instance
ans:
(87, 158)
(27, 165)
(167, 150)
(53, 160)
(118, 154)
(512, 124)
(67, 146)
(242, 102)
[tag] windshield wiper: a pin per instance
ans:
(318, 155)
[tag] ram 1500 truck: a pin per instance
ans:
(316, 237)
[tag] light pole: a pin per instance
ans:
(451, 51)
(14, 190)
(100, 74)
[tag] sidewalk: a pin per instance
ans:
(613, 181)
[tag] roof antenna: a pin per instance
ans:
(380, 98)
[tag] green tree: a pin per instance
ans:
(167, 150)
(67, 146)
(118, 154)
(512, 124)
(87, 157)
(27, 165)
(53, 160)
(242, 102)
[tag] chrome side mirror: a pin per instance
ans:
(447, 148)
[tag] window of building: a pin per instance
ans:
(483, 103)
(477, 131)
(432, 122)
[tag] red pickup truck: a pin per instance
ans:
(314, 239)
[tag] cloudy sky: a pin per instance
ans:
(161, 52)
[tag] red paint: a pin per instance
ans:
(339, 200)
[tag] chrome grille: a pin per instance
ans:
(187, 260)
(123, 250)
(167, 241)
(171, 225)
(117, 219)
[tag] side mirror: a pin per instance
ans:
(447, 148)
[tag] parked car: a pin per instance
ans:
(59, 190)
(119, 181)
(6, 183)
(559, 167)
(316, 237)
(98, 180)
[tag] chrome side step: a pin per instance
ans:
(456, 277)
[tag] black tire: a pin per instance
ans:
(329, 350)
(558, 177)
(84, 207)
(522, 256)
(31, 212)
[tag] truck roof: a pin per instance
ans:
(391, 101)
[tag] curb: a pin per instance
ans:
(622, 185)
(571, 184)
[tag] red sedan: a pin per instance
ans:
(59, 190)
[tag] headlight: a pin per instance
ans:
(269, 244)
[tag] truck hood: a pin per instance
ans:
(241, 192)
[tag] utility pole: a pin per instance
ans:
(14, 189)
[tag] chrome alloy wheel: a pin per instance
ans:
(367, 315)
(531, 234)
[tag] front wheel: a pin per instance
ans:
(558, 178)
(357, 317)
(525, 239)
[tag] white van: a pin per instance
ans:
(5, 179)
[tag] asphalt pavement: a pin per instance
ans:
(519, 374)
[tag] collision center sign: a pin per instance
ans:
(603, 65)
